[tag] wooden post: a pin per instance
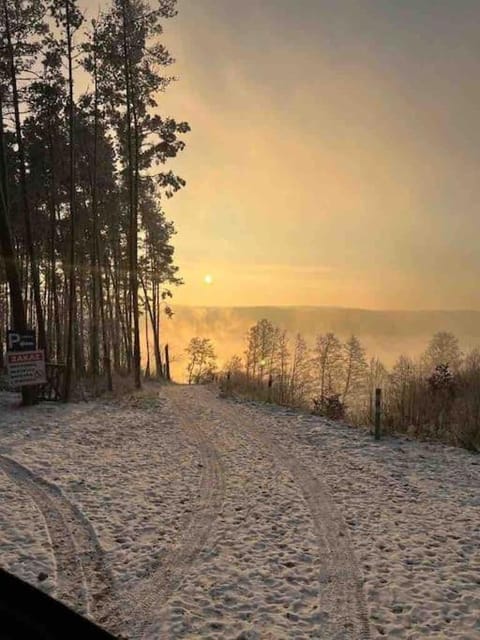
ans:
(378, 410)
(270, 384)
(167, 363)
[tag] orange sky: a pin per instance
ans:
(334, 152)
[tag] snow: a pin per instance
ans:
(24, 540)
(177, 514)
(413, 511)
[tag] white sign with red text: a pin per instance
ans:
(26, 367)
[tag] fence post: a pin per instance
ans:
(270, 384)
(378, 411)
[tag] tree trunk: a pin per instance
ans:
(147, 367)
(57, 332)
(42, 342)
(156, 341)
(114, 325)
(133, 202)
(94, 267)
(6, 245)
(71, 265)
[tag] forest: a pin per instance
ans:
(88, 260)
(435, 396)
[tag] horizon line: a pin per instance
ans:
(319, 306)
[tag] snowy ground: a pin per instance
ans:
(176, 514)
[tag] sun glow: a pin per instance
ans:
(208, 279)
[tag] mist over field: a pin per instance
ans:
(385, 334)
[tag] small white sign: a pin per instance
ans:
(26, 367)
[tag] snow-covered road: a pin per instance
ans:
(176, 514)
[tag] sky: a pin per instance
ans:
(334, 157)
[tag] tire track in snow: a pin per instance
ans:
(197, 528)
(83, 579)
(341, 582)
(342, 589)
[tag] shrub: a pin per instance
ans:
(330, 406)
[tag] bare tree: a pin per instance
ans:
(401, 391)
(262, 349)
(354, 369)
(443, 348)
(202, 360)
(280, 367)
(300, 372)
(377, 376)
(329, 364)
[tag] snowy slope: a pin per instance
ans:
(175, 514)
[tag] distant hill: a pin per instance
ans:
(385, 334)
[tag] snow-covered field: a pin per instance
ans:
(175, 514)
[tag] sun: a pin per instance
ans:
(208, 279)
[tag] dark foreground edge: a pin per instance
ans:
(26, 612)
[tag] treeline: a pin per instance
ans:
(86, 244)
(435, 396)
